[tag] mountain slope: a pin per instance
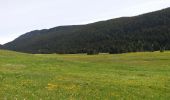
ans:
(147, 32)
(1, 46)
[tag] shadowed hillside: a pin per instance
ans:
(147, 32)
(1, 46)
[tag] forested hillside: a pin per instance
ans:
(147, 32)
(1, 46)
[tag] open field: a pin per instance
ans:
(131, 76)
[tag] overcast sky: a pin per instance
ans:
(20, 16)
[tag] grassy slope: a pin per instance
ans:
(50, 77)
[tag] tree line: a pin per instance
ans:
(147, 32)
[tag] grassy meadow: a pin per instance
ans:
(130, 76)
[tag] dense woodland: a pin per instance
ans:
(147, 32)
(1, 46)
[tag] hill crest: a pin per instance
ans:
(146, 32)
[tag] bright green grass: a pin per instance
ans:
(131, 76)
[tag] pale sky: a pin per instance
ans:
(20, 16)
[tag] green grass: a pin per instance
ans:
(131, 76)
